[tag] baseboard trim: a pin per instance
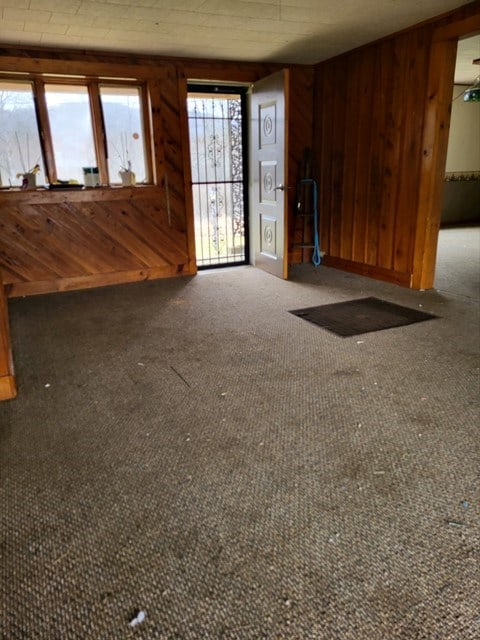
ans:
(16, 289)
(378, 273)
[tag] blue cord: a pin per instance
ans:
(316, 255)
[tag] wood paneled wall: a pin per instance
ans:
(52, 241)
(381, 117)
(56, 241)
(368, 151)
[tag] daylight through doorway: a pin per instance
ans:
(216, 117)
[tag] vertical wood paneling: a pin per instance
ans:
(350, 131)
(337, 156)
(299, 138)
(434, 146)
(368, 147)
(174, 165)
(413, 78)
(382, 114)
(324, 87)
(182, 88)
(364, 66)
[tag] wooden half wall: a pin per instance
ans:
(59, 240)
(381, 118)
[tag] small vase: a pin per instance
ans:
(127, 177)
(29, 181)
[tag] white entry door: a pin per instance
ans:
(268, 159)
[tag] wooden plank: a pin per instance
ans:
(45, 132)
(300, 125)
(113, 226)
(17, 289)
(324, 85)
(173, 149)
(151, 152)
(22, 257)
(187, 171)
(55, 196)
(380, 76)
(42, 64)
(150, 239)
(50, 254)
(372, 271)
(367, 94)
(393, 57)
(7, 379)
(414, 77)
(157, 142)
(226, 71)
(351, 89)
(20, 233)
(68, 228)
(337, 159)
(99, 132)
(435, 141)
(461, 23)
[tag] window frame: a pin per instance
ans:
(93, 84)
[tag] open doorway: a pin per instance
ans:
(218, 154)
(458, 241)
(461, 196)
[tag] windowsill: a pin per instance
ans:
(86, 194)
(72, 188)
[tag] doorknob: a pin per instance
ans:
(281, 187)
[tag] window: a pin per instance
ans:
(124, 130)
(71, 129)
(66, 124)
(20, 149)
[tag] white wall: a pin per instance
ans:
(464, 140)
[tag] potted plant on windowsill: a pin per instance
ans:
(28, 176)
(127, 176)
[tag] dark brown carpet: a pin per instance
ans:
(362, 315)
(190, 449)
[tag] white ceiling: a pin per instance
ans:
(289, 31)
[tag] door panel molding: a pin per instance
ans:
(268, 170)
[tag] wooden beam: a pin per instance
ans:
(187, 171)
(76, 283)
(99, 132)
(8, 389)
(434, 153)
(155, 126)
(461, 28)
(371, 271)
(45, 132)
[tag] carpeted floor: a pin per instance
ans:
(190, 449)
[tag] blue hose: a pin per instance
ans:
(316, 255)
